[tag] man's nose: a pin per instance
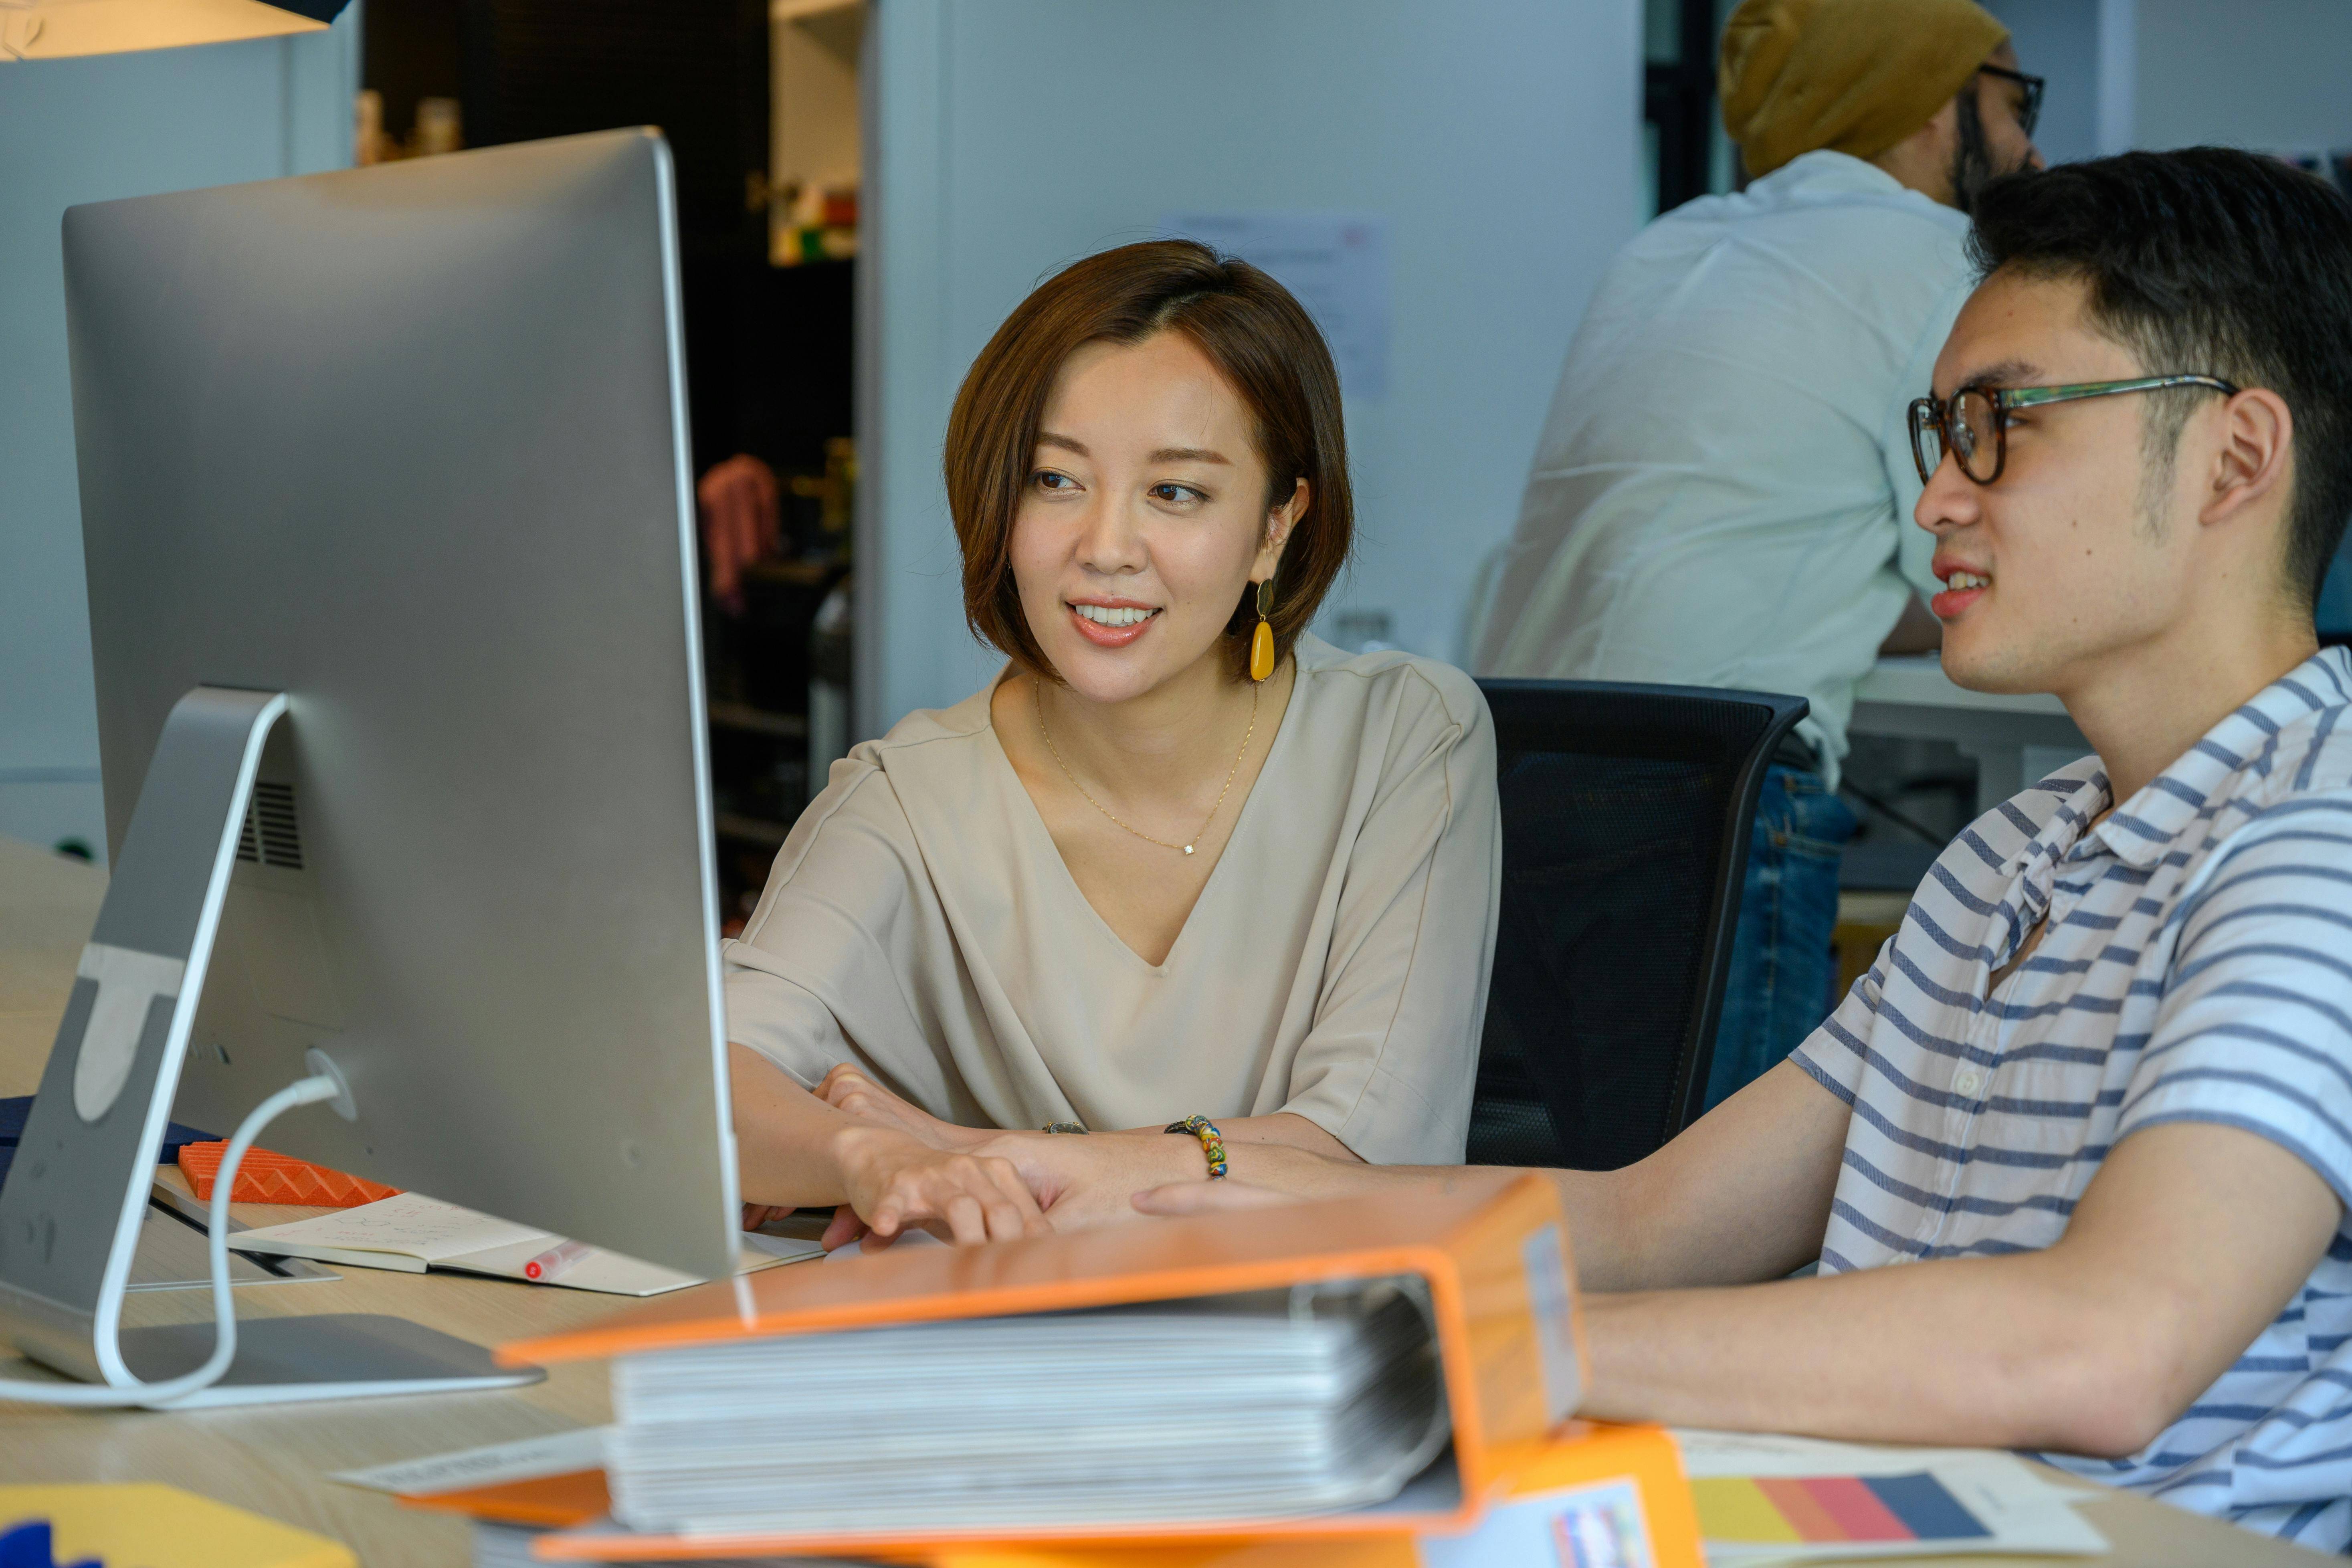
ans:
(1949, 500)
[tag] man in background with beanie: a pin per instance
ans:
(1720, 496)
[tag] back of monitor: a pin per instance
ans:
(408, 444)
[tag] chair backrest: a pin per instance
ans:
(1626, 811)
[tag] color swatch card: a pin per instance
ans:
(1771, 1500)
(1788, 1511)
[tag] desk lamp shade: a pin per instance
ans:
(61, 29)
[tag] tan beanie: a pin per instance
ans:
(1855, 76)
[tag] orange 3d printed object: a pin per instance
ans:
(268, 1178)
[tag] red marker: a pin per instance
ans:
(556, 1261)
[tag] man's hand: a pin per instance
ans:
(2187, 1242)
(741, 522)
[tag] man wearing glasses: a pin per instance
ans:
(1720, 497)
(2098, 1091)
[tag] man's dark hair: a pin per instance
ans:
(2215, 261)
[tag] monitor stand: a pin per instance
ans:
(77, 1194)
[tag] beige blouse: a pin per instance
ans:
(920, 924)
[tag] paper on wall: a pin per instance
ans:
(1337, 264)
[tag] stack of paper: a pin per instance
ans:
(1265, 1404)
(573, 1452)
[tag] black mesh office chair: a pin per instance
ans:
(1626, 813)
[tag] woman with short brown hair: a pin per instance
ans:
(1019, 913)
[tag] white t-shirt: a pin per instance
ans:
(1723, 494)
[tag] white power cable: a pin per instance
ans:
(306, 1092)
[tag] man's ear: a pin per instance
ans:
(2254, 458)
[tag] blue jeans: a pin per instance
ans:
(1782, 969)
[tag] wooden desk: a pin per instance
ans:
(270, 1459)
(273, 1460)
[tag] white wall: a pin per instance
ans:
(2267, 74)
(1499, 137)
(2059, 40)
(89, 129)
(2272, 74)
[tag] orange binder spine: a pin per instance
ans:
(1514, 1273)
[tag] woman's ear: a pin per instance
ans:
(1279, 521)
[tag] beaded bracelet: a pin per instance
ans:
(1063, 1127)
(1212, 1142)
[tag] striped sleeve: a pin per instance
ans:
(1832, 1056)
(2255, 1027)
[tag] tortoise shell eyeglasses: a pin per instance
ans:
(1974, 426)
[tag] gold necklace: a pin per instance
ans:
(1037, 696)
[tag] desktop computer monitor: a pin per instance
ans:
(406, 445)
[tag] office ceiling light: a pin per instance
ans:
(61, 29)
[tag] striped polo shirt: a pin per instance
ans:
(2197, 967)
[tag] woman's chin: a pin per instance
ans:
(1091, 677)
(1108, 675)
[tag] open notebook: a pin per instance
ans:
(413, 1233)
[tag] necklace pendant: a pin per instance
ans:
(1188, 849)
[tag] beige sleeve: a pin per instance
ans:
(1389, 1063)
(829, 969)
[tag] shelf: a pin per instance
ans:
(753, 829)
(799, 573)
(806, 11)
(758, 721)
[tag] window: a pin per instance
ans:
(1685, 150)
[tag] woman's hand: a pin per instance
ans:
(792, 1150)
(1181, 1198)
(851, 1092)
(895, 1180)
(1083, 1182)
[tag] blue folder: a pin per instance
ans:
(14, 1108)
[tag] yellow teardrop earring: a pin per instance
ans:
(1262, 639)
